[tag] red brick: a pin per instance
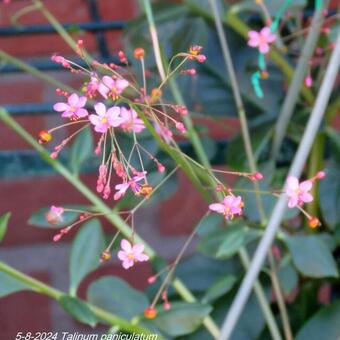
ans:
(25, 196)
(16, 311)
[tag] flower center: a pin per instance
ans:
(131, 256)
(104, 120)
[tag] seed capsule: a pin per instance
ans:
(139, 53)
(150, 312)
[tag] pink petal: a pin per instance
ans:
(218, 207)
(264, 48)
(138, 248)
(253, 35)
(253, 43)
(126, 245)
(121, 84)
(67, 114)
(82, 113)
(293, 201)
(94, 119)
(141, 257)
(265, 32)
(128, 263)
(271, 38)
(103, 90)
(73, 99)
(100, 108)
(228, 200)
(82, 101)
(102, 128)
(306, 185)
(60, 107)
(122, 255)
(306, 197)
(292, 183)
(108, 82)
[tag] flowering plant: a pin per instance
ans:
(136, 116)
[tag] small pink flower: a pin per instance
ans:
(261, 39)
(163, 132)
(132, 183)
(105, 118)
(130, 254)
(231, 205)
(54, 215)
(73, 108)
(110, 87)
(131, 122)
(298, 193)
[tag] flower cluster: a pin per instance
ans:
(114, 104)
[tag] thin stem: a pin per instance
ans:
(113, 217)
(42, 288)
(251, 160)
(34, 71)
(297, 82)
(278, 211)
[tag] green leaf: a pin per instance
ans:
(311, 256)
(38, 219)
(9, 285)
(219, 288)
(3, 224)
(288, 277)
(86, 249)
(78, 309)
(182, 318)
(81, 150)
(118, 297)
(233, 240)
(209, 223)
(226, 242)
(329, 196)
(323, 325)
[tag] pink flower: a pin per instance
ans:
(163, 132)
(73, 108)
(54, 215)
(261, 39)
(110, 87)
(105, 118)
(132, 183)
(298, 193)
(131, 121)
(231, 205)
(130, 254)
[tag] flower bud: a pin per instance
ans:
(150, 312)
(139, 53)
(44, 136)
(314, 222)
(320, 175)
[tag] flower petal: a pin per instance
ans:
(126, 245)
(264, 48)
(218, 207)
(100, 108)
(292, 183)
(306, 185)
(73, 99)
(138, 248)
(60, 107)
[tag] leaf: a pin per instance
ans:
(117, 296)
(232, 242)
(311, 256)
(219, 288)
(182, 318)
(288, 277)
(323, 325)
(9, 285)
(81, 150)
(78, 309)
(38, 219)
(3, 224)
(209, 223)
(329, 196)
(226, 242)
(86, 249)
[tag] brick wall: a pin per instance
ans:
(30, 249)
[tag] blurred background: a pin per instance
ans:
(28, 184)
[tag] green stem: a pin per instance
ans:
(42, 288)
(32, 70)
